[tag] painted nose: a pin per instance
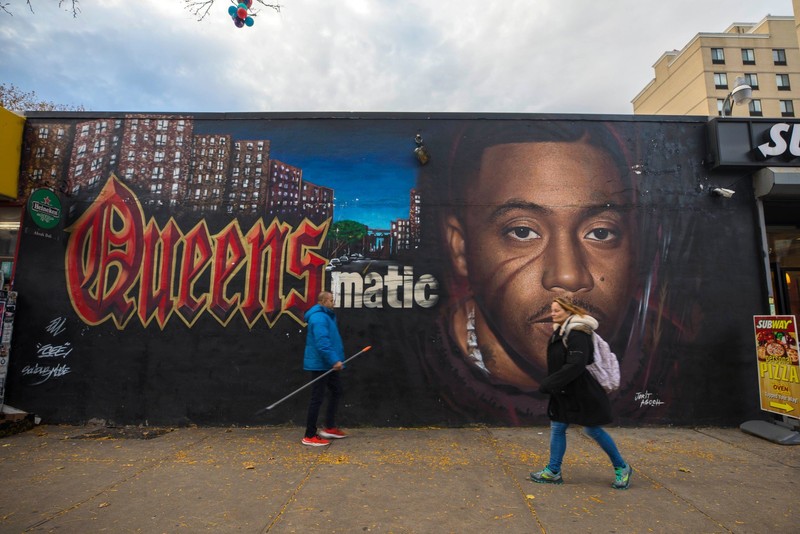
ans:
(565, 266)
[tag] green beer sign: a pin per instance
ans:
(44, 208)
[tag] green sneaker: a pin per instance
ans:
(545, 476)
(623, 477)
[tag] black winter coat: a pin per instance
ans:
(575, 396)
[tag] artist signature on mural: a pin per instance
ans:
(647, 399)
(49, 351)
(53, 351)
(56, 326)
(46, 372)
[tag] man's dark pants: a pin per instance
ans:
(334, 384)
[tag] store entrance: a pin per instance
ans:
(783, 238)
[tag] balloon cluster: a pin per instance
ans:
(239, 14)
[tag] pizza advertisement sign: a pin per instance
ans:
(778, 369)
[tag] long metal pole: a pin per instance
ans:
(301, 388)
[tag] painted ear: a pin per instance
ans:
(456, 245)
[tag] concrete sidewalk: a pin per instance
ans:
(88, 479)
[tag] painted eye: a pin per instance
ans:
(602, 234)
(523, 233)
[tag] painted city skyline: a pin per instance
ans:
(188, 161)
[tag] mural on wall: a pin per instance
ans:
(191, 247)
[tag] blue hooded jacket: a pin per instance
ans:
(324, 345)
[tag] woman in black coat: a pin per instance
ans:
(575, 396)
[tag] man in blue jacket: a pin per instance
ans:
(324, 351)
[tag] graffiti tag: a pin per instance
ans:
(56, 326)
(647, 399)
(48, 351)
(53, 351)
(46, 372)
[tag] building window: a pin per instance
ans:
(720, 105)
(717, 56)
(787, 108)
(782, 81)
(779, 56)
(720, 80)
(748, 56)
(751, 80)
(755, 108)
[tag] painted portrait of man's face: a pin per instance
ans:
(541, 219)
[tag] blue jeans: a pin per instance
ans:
(558, 444)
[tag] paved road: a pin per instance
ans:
(94, 479)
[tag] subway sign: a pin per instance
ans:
(783, 139)
(754, 143)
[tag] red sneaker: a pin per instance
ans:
(315, 442)
(332, 433)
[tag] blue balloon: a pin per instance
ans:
(249, 21)
(232, 11)
(242, 5)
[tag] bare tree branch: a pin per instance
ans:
(201, 8)
(75, 8)
(198, 8)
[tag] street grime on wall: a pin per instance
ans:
(173, 289)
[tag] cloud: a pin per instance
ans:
(548, 56)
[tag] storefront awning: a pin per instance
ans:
(777, 183)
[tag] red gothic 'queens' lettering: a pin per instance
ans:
(118, 267)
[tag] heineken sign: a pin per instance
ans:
(44, 208)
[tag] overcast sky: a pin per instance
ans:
(532, 56)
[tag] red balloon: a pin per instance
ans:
(241, 13)
(249, 3)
